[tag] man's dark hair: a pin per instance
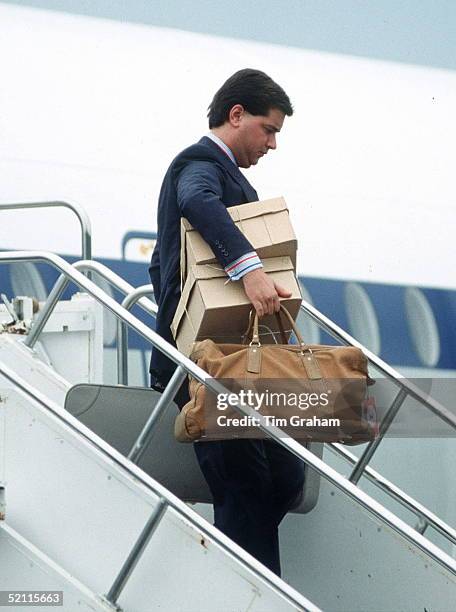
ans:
(254, 90)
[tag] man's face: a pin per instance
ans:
(255, 135)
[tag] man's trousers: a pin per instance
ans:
(254, 483)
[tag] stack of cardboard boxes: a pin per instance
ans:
(211, 307)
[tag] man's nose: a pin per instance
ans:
(272, 142)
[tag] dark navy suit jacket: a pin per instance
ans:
(199, 185)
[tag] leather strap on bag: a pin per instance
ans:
(248, 331)
(253, 326)
(254, 350)
(283, 335)
(308, 359)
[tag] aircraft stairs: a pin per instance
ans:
(93, 491)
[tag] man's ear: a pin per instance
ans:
(236, 114)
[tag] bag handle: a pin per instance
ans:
(248, 331)
(283, 311)
(309, 361)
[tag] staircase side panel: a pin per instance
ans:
(342, 557)
(23, 568)
(86, 513)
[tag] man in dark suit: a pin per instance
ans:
(253, 482)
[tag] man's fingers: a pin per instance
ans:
(259, 308)
(270, 306)
(263, 293)
(282, 291)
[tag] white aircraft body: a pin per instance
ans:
(92, 111)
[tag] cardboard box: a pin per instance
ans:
(211, 307)
(265, 224)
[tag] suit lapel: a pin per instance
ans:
(249, 192)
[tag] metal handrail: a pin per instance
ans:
(135, 554)
(140, 445)
(62, 282)
(424, 514)
(412, 390)
(330, 474)
(133, 296)
(331, 327)
(122, 345)
(151, 308)
(116, 281)
(86, 228)
(122, 332)
(152, 486)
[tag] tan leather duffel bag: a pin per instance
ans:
(312, 392)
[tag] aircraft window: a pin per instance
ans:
(361, 316)
(308, 328)
(422, 327)
(26, 280)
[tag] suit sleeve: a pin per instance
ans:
(154, 272)
(199, 197)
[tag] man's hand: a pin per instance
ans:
(263, 292)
